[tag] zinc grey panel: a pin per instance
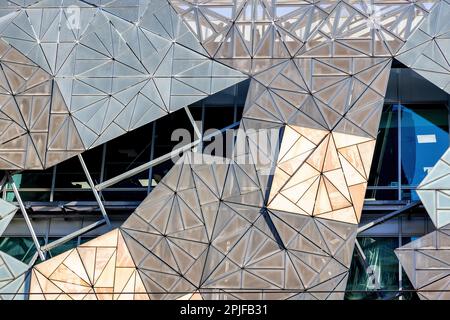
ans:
(427, 50)
(252, 37)
(7, 212)
(203, 228)
(13, 277)
(113, 72)
(434, 191)
(36, 129)
(426, 261)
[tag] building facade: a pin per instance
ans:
(245, 149)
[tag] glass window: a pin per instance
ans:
(33, 185)
(127, 152)
(407, 286)
(421, 109)
(21, 248)
(165, 127)
(86, 239)
(424, 139)
(381, 259)
(384, 171)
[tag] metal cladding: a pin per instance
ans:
(74, 76)
(329, 125)
(101, 269)
(434, 191)
(36, 128)
(282, 225)
(427, 260)
(7, 212)
(427, 51)
(13, 273)
(253, 35)
(205, 228)
(14, 276)
(427, 264)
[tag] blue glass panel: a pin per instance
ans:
(424, 138)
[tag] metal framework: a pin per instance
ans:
(25, 216)
(162, 158)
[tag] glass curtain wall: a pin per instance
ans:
(381, 277)
(412, 137)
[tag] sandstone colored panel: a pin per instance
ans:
(101, 269)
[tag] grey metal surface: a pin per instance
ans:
(73, 235)
(13, 277)
(202, 228)
(7, 212)
(253, 36)
(427, 51)
(427, 264)
(36, 130)
(90, 75)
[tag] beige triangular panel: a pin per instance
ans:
(103, 264)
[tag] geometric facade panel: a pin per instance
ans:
(205, 228)
(329, 123)
(101, 269)
(7, 212)
(426, 261)
(434, 191)
(36, 130)
(427, 51)
(13, 278)
(253, 35)
(91, 75)
(330, 182)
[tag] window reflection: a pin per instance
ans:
(382, 280)
(384, 172)
(413, 135)
(424, 139)
(21, 248)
